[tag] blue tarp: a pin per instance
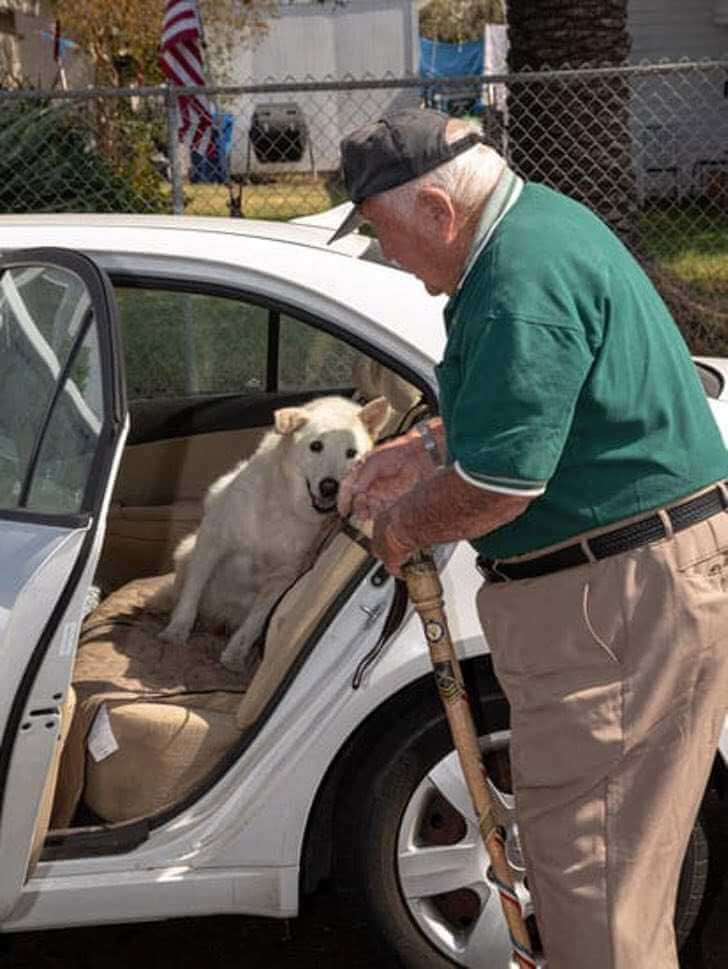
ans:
(451, 60)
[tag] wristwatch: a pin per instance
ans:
(431, 445)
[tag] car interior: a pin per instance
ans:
(177, 718)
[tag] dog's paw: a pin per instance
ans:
(175, 633)
(233, 658)
(239, 659)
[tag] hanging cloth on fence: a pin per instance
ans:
(450, 60)
(496, 62)
(439, 60)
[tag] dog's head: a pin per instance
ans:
(323, 439)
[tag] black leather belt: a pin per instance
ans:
(648, 529)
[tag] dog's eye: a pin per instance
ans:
(351, 452)
(317, 445)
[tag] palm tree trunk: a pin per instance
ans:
(574, 133)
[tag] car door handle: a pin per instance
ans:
(372, 613)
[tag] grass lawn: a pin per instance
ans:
(692, 243)
(296, 196)
(690, 248)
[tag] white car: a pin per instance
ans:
(140, 358)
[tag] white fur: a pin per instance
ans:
(261, 520)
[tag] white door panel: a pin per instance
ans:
(28, 593)
(38, 737)
(62, 427)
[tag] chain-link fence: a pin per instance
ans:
(645, 146)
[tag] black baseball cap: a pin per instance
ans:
(392, 151)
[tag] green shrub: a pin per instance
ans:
(50, 161)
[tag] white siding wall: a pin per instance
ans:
(675, 28)
(365, 37)
(681, 120)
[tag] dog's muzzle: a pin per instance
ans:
(324, 499)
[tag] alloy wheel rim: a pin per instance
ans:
(443, 868)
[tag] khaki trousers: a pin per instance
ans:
(617, 677)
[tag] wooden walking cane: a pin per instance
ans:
(425, 590)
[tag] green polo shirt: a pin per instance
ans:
(565, 378)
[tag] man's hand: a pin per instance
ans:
(380, 478)
(389, 544)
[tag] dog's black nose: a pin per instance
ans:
(328, 487)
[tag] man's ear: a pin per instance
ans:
(434, 207)
(288, 419)
(375, 415)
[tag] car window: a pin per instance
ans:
(179, 344)
(51, 398)
(68, 447)
(312, 359)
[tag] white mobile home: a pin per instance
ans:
(680, 125)
(314, 41)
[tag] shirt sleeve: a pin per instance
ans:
(519, 385)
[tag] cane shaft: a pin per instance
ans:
(425, 590)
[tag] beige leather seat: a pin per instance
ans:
(158, 499)
(173, 713)
(372, 379)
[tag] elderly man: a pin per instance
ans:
(580, 458)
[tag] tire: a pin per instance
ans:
(385, 819)
(693, 878)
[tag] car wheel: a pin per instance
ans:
(413, 863)
(693, 879)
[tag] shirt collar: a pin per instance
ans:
(501, 199)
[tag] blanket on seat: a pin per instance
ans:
(171, 709)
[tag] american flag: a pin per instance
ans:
(180, 58)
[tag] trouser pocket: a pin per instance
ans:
(556, 644)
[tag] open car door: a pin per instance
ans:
(63, 420)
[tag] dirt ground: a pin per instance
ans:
(323, 938)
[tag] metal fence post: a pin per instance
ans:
(175, 164)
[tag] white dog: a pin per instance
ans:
(262, 519)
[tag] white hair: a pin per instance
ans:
(467, 178)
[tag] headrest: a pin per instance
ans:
(372, 379)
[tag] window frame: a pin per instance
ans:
(276, 308)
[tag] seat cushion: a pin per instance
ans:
(165, 749)
(171, 709)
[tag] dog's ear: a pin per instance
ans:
(375, 415)
(289, 419)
